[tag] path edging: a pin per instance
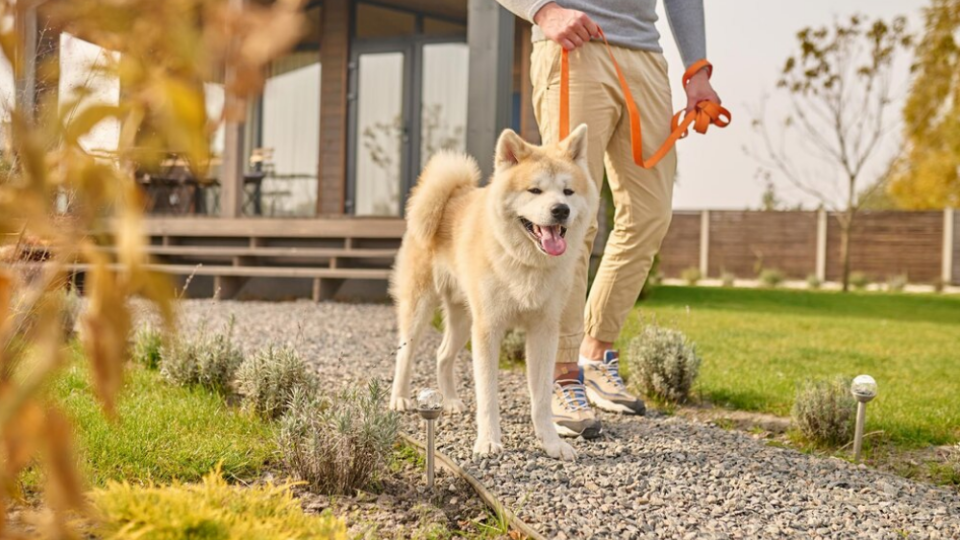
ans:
(488, 497)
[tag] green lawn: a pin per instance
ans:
(163, 431)
(757, 345)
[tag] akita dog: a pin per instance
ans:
(495, 257)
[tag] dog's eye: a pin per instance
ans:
(535, 191)
(568, 192)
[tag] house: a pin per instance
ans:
(311, 187)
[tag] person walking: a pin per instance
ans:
(587, 368)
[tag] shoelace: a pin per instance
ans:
(574, 393)
(613, 372)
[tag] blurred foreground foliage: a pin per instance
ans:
(211, 509)
(61, 203)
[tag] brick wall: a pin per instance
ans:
(334, 56)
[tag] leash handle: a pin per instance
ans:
(704, 114)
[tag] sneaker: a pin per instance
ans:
(605, 388)
(572, 415)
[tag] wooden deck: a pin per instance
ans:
(328, 251)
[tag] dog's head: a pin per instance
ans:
(544, 193)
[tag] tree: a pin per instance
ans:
(163, 51)
(838, 86)
(928, 177)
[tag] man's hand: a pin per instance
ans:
(568, 27)
(699, 89)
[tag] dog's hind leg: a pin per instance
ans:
(456, 332)
(541, 352)
(485, 343)
(414, 316)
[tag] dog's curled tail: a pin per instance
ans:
(446, 174)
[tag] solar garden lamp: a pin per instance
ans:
(429, 403)
(864, 388)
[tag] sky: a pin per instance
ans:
(748, 42)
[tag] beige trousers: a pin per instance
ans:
(642, 198)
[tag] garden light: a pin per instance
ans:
(429, 403)
(430, 399)
(864, 388)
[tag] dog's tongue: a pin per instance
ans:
(552, 242)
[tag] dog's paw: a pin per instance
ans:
(454, 406)
(486, 447)
(401, 404)
(560, 450)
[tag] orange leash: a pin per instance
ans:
(705, 113)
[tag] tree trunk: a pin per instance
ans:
(846, 225)
(845, 255)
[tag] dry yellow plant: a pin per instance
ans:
(61, 205)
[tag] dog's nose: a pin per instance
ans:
(560, 211)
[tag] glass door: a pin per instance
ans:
(380, 133)
(407, 100)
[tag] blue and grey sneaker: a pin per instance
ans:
(572, 415)
(605, 388)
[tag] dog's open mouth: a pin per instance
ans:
(549, 238)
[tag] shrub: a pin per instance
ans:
(813, 282)
(824, 411)
(771, 277)
(512, 349)
(691, 275)
(728, 279)
(148, 347)
(338, 445)
(897, 283)
(663, 363)
(211, 509)
(267, 381)
(859, 280)
(211, 362)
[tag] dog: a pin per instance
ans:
(495, 257)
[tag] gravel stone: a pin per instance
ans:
(651, 477)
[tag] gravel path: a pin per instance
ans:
(654, 477)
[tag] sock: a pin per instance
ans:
(570, 377)
(584, 361)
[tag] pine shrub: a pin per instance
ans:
(267, 380)
(663, 363)
(824, 411)
(338, 445)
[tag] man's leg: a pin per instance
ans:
(642, 199)
(591, 102)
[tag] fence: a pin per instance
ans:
(924, 246)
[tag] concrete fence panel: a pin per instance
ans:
(923, 245)
(744, 242)
(681, 247)
(888, 243)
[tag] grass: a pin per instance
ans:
(758, 345)
(162, 432)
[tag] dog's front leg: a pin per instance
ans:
(541, 353)
(486, 355)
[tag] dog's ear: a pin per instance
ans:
(575, 146)
(511, 149)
